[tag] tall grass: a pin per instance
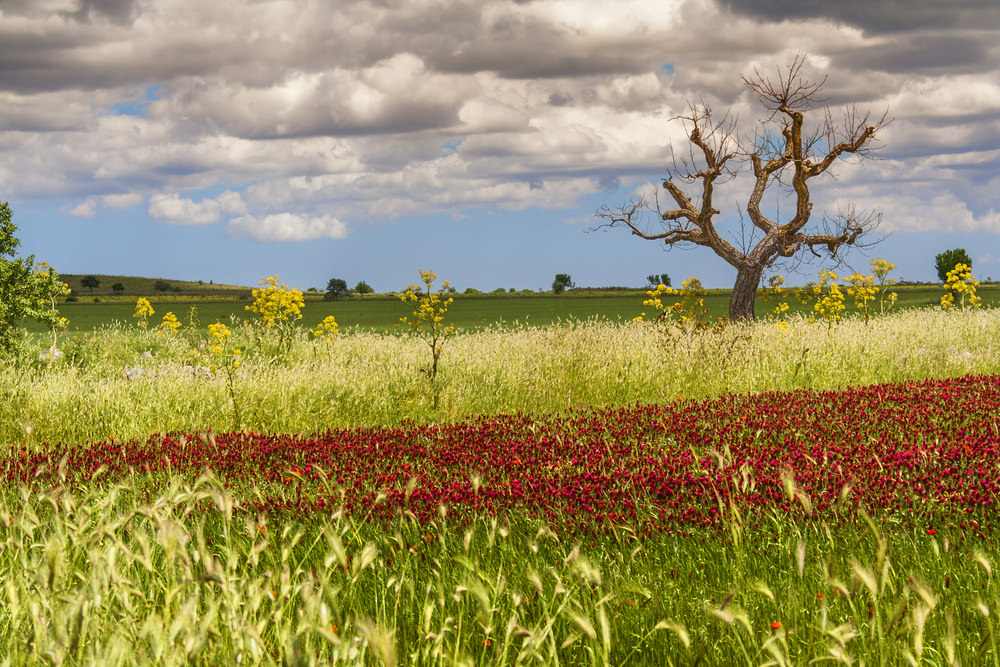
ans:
(120, 575)
(128, 383)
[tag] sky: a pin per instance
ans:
(366, 139)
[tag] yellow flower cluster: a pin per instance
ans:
(219, 334)
(170, 324)
(327, 329)
(143, 311)
(829, 299)
(863, 290)
(689, 310)
(963, 283)
(276, 303)
(655, 300)
(430, 307)
(776, 291)
(881, 269)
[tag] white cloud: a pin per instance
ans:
(121, 201)
(88, 208)
(232, 203)
(287, 227)
(177, 210)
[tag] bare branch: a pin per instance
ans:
(631, 216)
(845, 229)
(789, 92)
(717, 144)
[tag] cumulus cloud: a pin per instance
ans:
(287, 227)
(89, 208)
(232, 203)
(121, 201)
(176, 210)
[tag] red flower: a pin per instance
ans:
(776, 625)
(931, 531)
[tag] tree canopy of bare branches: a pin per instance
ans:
(782, 153)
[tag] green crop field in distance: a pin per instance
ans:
(381, 313)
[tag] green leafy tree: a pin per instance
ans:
(948, 260)
(657, 280)
(26, 290)
(562, 283)
(336, 288)
(161, 285)
(363, 288)
(90, 282)
(118, 288)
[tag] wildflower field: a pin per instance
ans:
(591, 493)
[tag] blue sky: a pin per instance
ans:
(314, 140)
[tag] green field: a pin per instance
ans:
(128, 554)
(469, 312)
(573, 488)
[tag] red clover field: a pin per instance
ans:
(925, 451)
(590, 494)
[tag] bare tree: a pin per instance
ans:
(782, 153)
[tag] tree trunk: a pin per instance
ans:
(741, 303)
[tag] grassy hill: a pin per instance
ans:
(139, 286)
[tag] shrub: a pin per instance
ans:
(26, 290)
(946, 262)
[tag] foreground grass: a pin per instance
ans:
(122, 576)
(126, 383)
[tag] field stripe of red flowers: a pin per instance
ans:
(928, 449)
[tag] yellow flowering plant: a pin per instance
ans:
(427, 319)
(143, 311)
(775, 291)
(863, 290)
(170, 324)
(829, 298)
(961, 282)
(689, 312)
(881, 269)
(326, 330)
(277, 307)
(655, 301)
(226, 359)
(49, 288)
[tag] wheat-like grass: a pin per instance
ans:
(116, 576)
(366, 379)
